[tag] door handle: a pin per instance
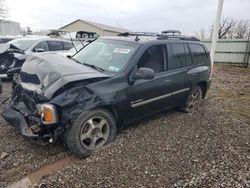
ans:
(166, 81)
(194, 74)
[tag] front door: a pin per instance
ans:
(146, 96)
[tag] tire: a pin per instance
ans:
(193, 100)
(91, 130)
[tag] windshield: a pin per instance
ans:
(106, 54)
(23, 44)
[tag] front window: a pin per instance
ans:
(106, 54)
(22, 44)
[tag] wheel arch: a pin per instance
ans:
(111, 109)
(203, 86)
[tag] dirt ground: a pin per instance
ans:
(210, 148)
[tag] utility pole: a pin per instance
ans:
(215, 31)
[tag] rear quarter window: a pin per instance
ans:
(199, 54)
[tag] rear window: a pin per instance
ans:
(199, 54)
(55, 45)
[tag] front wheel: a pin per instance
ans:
(91, 130)
(193, 100)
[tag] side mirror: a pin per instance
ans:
(69, 56)
(144, 73)
(39, 50)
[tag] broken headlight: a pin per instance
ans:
(48, 113)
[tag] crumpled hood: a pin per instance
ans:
(9, 47)
(46, 73)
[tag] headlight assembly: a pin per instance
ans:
(48, 113)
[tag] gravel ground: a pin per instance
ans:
(210, 148)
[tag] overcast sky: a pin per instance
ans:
(189, 16)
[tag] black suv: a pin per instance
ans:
(109, 83)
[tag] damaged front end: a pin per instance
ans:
(30, 114)
(48, 95)
(10, 57)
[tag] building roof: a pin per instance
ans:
(100, 26)
(8, 21)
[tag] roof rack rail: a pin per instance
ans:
(165, 35)
(171, 32)
(174, 34)
(126, 34)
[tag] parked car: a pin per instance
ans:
(109, 83)
(15, 52)
(77, 47)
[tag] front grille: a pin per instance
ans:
(20, 95)
(28, 101)
(29, 78)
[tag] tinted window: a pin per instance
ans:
(41, 45)
(55, 45)
(199, 54)
(188, 55)
(179, 56)
(67, 45)
(153, 58)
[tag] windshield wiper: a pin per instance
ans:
(93, 66)
(76, 60)
(89, 65)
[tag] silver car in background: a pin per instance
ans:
(14, 53)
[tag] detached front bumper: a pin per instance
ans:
(17, 120)
(30, 125)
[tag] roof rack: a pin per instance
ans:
(174, 34)
(171, 32)
(165, 35)
(126, 34)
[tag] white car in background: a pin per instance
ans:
(14, 53)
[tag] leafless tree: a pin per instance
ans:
(201, 34)
(232, 29)
(242, 29)
(3, 9)
(226, 27)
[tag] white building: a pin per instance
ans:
(100, 29)
(9, 28)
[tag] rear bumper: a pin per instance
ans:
(209, 82)
(208, 85)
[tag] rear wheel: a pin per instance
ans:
(90, 131)
(193, 100)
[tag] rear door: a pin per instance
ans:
(201, 63)
(179, 80)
